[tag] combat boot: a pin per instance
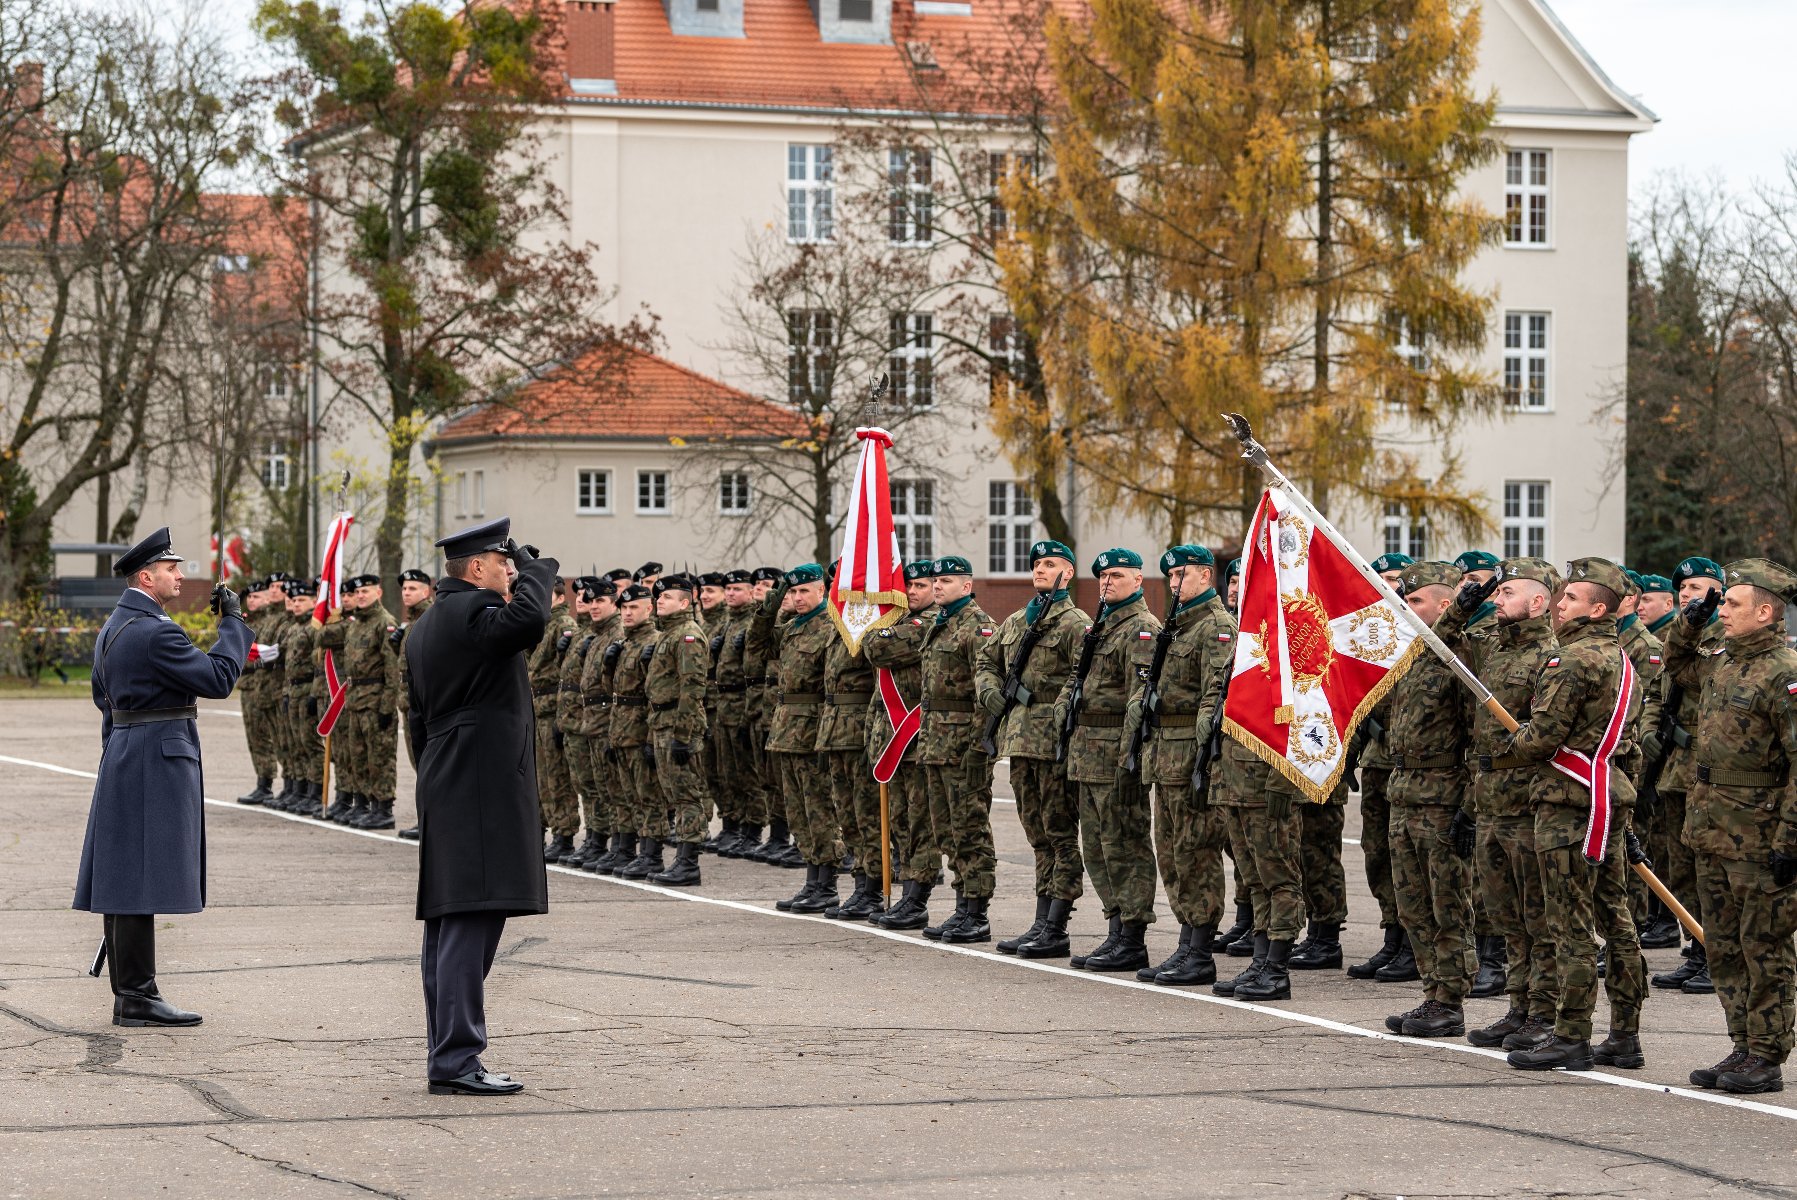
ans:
(974, 926)
(779, 836)
(1395, 1022)
(748, 840)
(1695, 964)
(1556, 1053)
(1052, 942)
(1242, 930)
(614, 856)
(314, 803)
(1603, 959)
(1503, 1027)
(710, 843)
(366, 814)
(1227, 987)
(913, 912)
(872, 903)
(591, 847)
(1114, 932)
(729, 841)
(1437, 1020)
(1493, 976)
(1130, 952)
(1619, 1050)
(341, 807)
(839, 912)
(1273, 982)
(1394, 942)
(935, 932)
(823, 896)
(1322, 949)
(1147, 974)
(901, 910)
(260, 794)
(1009, 945)
(684, 872)
(559, 845)
(284, 797)
(646, 863)
(380, 816)
(1699, 984)
(1533, 1032)
(1402, 968)
(1706, 1077)
(1197, 966)
(804, 893)
(790, 857)
(1662, 932)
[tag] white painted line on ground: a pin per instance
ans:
(1287, 1014)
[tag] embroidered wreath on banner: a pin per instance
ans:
(1309, 648)
(1372, 635)
(1294, 542)
(1317, 744)
(1258, 648)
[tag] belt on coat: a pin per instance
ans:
(845, 699)
(455, 718)
(1100, 720)
(149, 716)
(1429, 762)
(802, 699)
(1176, 720)
(930, 705)
(630, 701)
(1501, 762)
(1722, 778)
(665, 706)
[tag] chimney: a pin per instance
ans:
(28, 85)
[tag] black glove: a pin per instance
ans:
(225, 603)
(1472, 594)
(680, 752)
(649, 753)
(561, 643)
(1632, 847)
(1784, 868)
(385, 721)
(1647, 803)
(1460, 832)
(1352, 777)
(1699, 612)
(560, 738)
(311, 706)
(396, 636)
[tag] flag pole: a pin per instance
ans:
(870, 415)
(1256, 453)
(324, 801)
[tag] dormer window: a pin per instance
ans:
(857, 10)
(704, 18)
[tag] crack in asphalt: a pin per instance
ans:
(281, 1164)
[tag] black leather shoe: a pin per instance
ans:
(1052, 942)
(685, 870)
(559, 845)
(1619, 1050)
(260, 794)
(1437, 1020)
(1750, 1076)
(1402, 967)
(1273, 982)
(409, 835)
(1009, 945)
(1530, 1034)
(476, 1083)
(1322, 950)
(137, 1011)
(1241, 931)
(1662, 934)
(1555, 1054)
(1258, 947)
(1147, 974)
(1699, 984)
(804, 893)
(1706, 1078)
(1197, 966)
(1494, 975)
(1129, 952)
(973, 926)
(1114, 931)
(823, 893)
(911, 912)
(1495, 1033)
(1694, 965)
(1394, 941)
(935, 932)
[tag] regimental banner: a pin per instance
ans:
(868, 592)
(1319, 646)
(330, 599)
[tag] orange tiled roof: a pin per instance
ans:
(653, 399)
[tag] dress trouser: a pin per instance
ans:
(458, 953)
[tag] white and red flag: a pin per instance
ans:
(1319, 645)
(330, 599)
(234, 563)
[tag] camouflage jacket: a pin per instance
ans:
(848, 686)
(1645, 651)
(366, 662)
(800, 646)
(1191, 683)
(412, 613)
(1506, 661)
(898, 649)
(1030, 731)
(567, 690)
(1746, 740)
(1575, 696)
(678, 673)
(629, 707)
(1427, 727)
(1125, 650)
(596, 671)
(297, 652)
(759, 693)
(952, 641)
(1681, 763)
(729, 666)
(545, 664)
(260, 677)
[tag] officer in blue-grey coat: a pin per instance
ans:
(145, 851)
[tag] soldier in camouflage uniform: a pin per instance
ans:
(1580, 705)
(366, 662)
(1618, 886)
(631, 751)
(712, 614)
(1477, 566)
(736, 787)
(610, 808)
(1741, 814)
(679, 674)
(1047, 805)
(854, 792)
(762, 802)
(1264, 831)
(303, 685)
(258, 688)
(569, 722)
(1325, 880)
(555, 787)
(345, 745)
(917, 857)
(1375, 816)
(1427, 723)
(414, 596)
(1189, 835)
(1113, 804)
(1657, 606)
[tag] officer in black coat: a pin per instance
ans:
(145, 850)
(473, 742)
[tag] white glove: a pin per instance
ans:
(267, 651)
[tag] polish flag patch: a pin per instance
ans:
(1554, 661)
(1145, 635)
(1226, 637)
(689, 638)
(1791, 688)
(1654, 659)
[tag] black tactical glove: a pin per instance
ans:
(1351, 777)
(680, 752)
(396, 636)
(1279, 805)
(1698, 612)
(1472, 594)
(225, 603)
(1647, 803)
(560, 739)
(311, 706)
(1632, 847)
(1460, 832)
(1784, 868)
(561, 643)
(649, 753)
(385, 721)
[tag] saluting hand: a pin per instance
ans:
(1699, 612)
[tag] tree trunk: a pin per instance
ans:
(389, 540)
(1053, 513)
(820, 511)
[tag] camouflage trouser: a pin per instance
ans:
(648, 813)
(1375, 841)
(1268, 853)
(1748, 926)
(1674, 862)
(917, 854)
(1510, 883)
(1568, 890)
(305, 749)
(765, 783)
(371, 751)
(1238, 885)
(1119, 848)
(855, 795)
(1625, 977)
(1325, 883)
(1048, 808)
(1433, 888)
(1188, 842)
(805, 782)
(608, 810)
(729, 774)
(555, 787)
(683, 789)
(261, 729)
(347, 755)
(578, 748)
(961, 816)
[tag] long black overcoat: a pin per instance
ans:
(145, 850)
(480, 844)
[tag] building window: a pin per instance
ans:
(914, 518)
(910, 201)
(1525, 519)
(1525, 197)
(998, 165)
(231, 264)
(811, 338)
(856, 10)
(276, 380)
(706, 5)
(1010, 526)
(478, 495)
(1004, 351)
(592, 491)
(652, 492)
(276, 467)
(461, 493)
(1525, 361)
(810, 193)
(910, 363)
(733, 493)
(1405, 530)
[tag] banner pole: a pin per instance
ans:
(885, 847)
(324, 801)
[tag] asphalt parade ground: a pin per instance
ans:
(697, 1042)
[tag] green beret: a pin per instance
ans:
(805, 573)
(951, 564)
(1117, 556)
(1634, 578)
(1538, 569)
(1049, 548)
(1656, 583)
(1600, 571)
(1762, 573)
(1476, 560)
(1187, 556)
(1391, 562)
(918, 570)
(1424, 574)
(1697, 567)
(1233, 569)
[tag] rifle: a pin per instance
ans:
(1211, 748)
(1087, 649)
(1648, 797)
(1014, 676)
(1151, 690)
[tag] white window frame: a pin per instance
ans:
(461, 493)
(646, 475)
(810, 344)
(479, 495)
(1404, 531)
(810, 192)
(908, 522)
(910, 196)
(582, 503)
(911, 359)
(730, 482)
(277, 467)
(1528, 359)
(1527, 533)
(1010, 527)
(1528, 198)
(1004, 343)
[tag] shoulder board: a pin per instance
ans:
(689, 638)
(1146, 635)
